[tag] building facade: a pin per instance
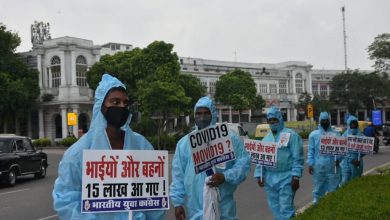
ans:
(63, 62)
(321, 86)
(279, 84)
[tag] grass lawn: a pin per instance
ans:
(363, 198)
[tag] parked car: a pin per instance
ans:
(18, 157)
(237, 128)
(340, 129)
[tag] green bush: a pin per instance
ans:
(365, 198)
(68, 141)
(304, 134)
(42, 142)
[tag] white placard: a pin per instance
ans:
(124, 180)
(210, 146)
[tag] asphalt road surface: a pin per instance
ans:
(31, 198)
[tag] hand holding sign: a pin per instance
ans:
(216, 180)
(295, 184)
(356, 162)
(180, 214)
(260, 182)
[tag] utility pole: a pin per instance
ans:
(345, 38)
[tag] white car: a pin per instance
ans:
(237, 128)
(338, 128)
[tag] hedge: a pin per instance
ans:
(42, 142)
(68, 141)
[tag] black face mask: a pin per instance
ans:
(116, 116)
(325, 125)
(203, 122)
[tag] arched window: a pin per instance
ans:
(81, 70)
(298, 83)
(55, 71)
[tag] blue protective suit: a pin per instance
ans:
(348, 169)
(187, 187)
(324, 177)
(290, 161)
(67, 188)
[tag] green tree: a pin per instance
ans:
(238, 90)
(132, 66)
(18, 85)
(162, 100)
(303, 100)
(193, 89)
(321, 104)
(145, 72)
(355, 90)
(379, 51)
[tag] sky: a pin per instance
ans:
(254, 31)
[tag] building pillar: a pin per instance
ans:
(338, 116)
(319, 89)
(249, 115)
(220, 115)
(63, 78)
(39, 66)
(41, 124)
(383, 115)
(365, 114)
(49, 78)
(293, 85)
(294, 116)
(327, 90)
(64, 122)
(230, 114)
(288, 114)
(76, 127)
(73, 68)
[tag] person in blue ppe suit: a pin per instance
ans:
(352, 165)
(109, 130)
(282, 182)
(322, 167)
(370, 131)
(186, 189)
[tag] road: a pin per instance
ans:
(31, 198)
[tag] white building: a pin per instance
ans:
(321, 80)
(279, 84)
(63, 62)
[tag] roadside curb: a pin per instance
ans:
(372, 170)
(50, 148)
(368, 172)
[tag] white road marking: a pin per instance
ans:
(373, 169)
(16, 191)
(48, 217)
